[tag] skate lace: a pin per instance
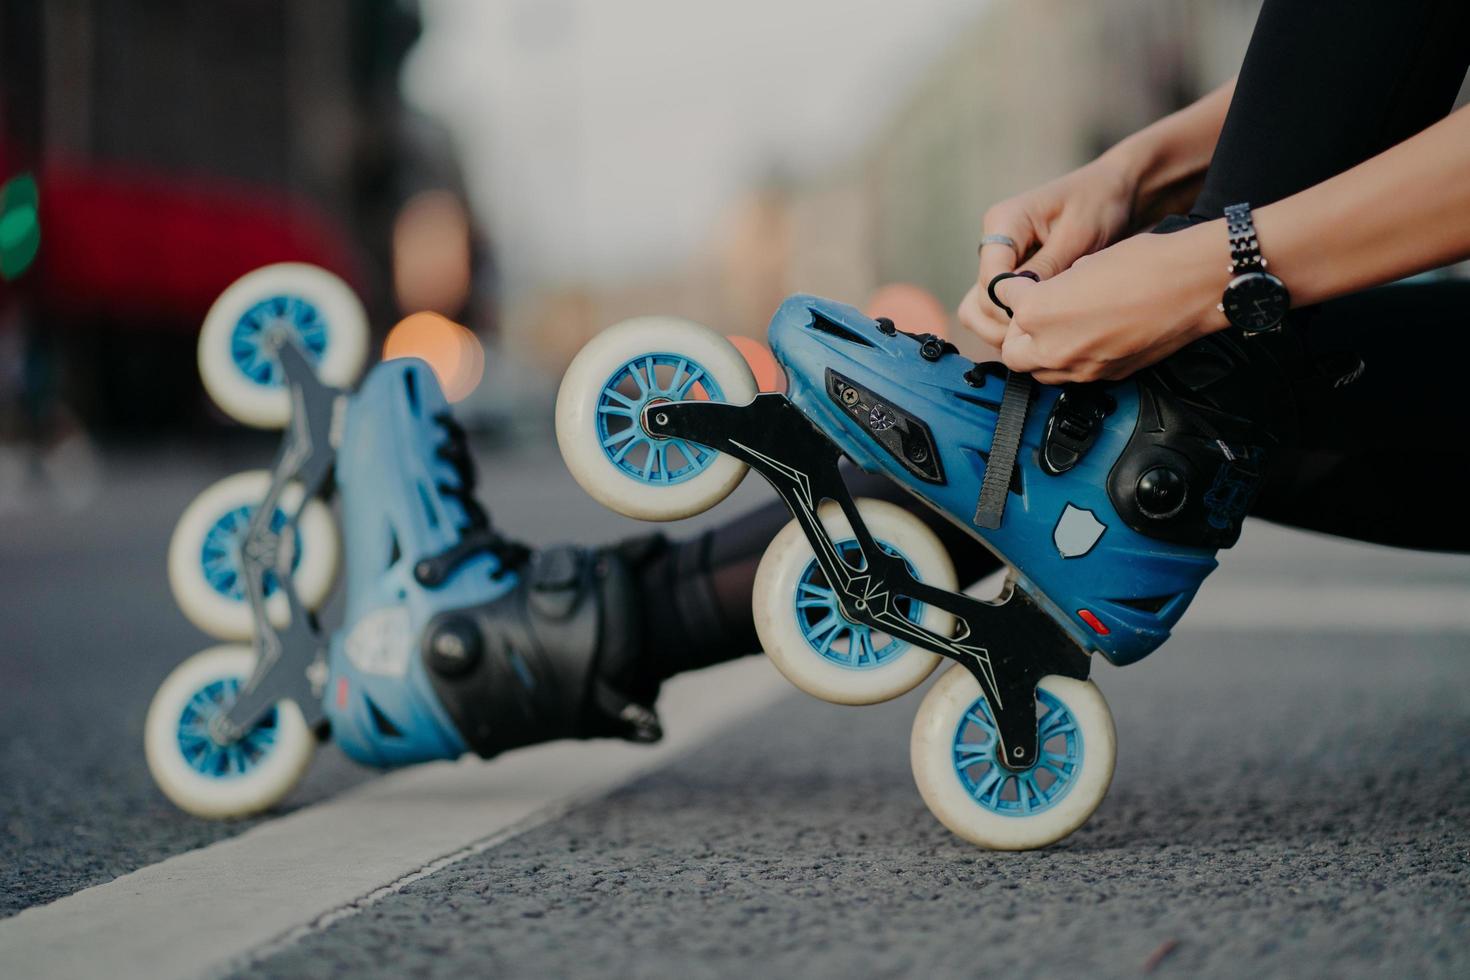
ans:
(476, 535)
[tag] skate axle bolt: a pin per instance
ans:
(454, 647)
(662, 418)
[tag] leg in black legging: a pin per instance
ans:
(697, 593)
(1385, 456)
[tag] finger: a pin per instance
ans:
(1061, 376)
(1059, 253)
(979, 315)
(1018, 352)
(994, 258)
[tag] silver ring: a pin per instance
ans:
(1005, 240)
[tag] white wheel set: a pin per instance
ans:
(199, 772)
(598, 425)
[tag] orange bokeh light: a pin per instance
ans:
(455, 355)
(431, 253)
(911, 307)
(768, 374)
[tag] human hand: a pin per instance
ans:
(1053, 226)
(1118, 310)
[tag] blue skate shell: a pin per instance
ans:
(378, 698)
(1067, 546)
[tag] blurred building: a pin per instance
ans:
(1034, 89)
(178, 145)
(1040, 88)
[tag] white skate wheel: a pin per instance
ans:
(952, 752)
(204, 567)
(201, 775)
(322, 313)
(804, 632)
(599, 411)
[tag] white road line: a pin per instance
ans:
(198, 914)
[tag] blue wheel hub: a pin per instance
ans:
(208, 756)
(632, 387)
(1030, 791)
(835, 637)
(248, 342)
(220, 556)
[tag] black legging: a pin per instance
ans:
(1382, 457)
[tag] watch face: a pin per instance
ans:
(1256, 301)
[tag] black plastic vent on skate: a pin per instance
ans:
(1152, 604)
(823, 325)
(411, 389)
(385, 727)
(394, 551)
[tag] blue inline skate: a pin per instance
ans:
(1107, 502)
(452, 638)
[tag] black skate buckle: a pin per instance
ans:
(1075, 422)
(433, 570)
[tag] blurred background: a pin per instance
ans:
(532, 169)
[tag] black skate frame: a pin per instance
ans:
(1021, 643)
(291, 663)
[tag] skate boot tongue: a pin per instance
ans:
(477, 535)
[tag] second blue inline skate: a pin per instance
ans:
(450, 638)
(1108, 503)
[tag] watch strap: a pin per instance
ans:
(1245, 250)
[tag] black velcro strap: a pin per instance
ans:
(1005, 446)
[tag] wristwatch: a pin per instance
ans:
(1255, 301)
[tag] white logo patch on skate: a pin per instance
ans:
(1077, 531)
(381, 642)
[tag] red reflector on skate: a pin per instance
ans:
(1086, 615)
(342, 693)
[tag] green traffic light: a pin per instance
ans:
(20, 225)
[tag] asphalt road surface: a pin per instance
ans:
(1292, 794)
